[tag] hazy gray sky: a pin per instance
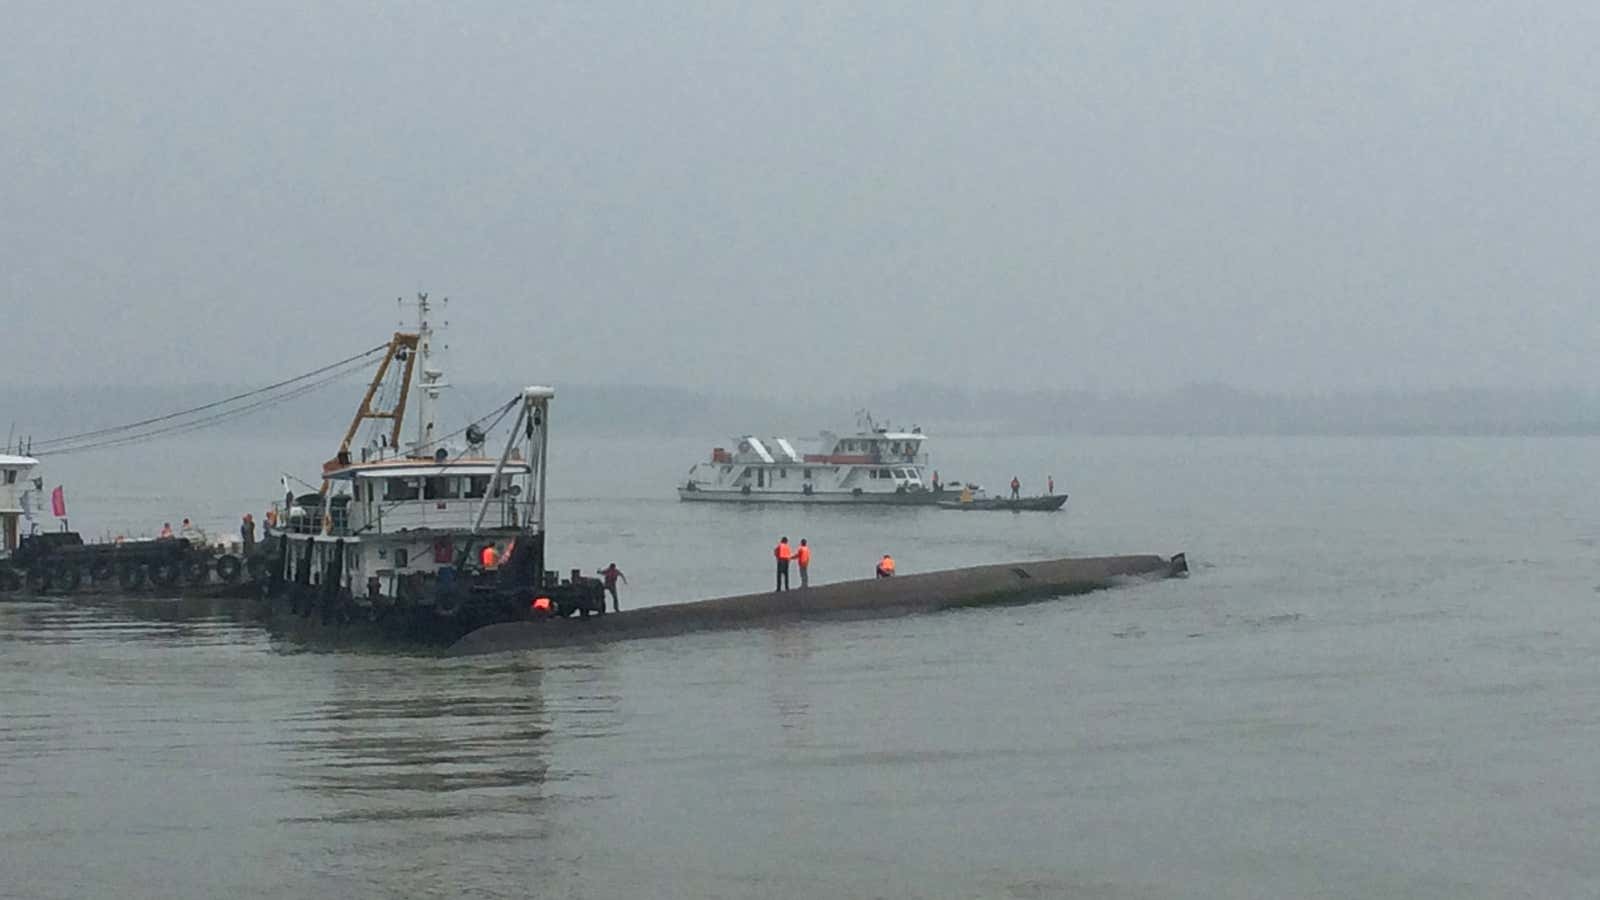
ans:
(764, 196)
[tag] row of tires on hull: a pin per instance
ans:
(68, 577)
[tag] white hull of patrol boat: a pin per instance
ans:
(908, 498)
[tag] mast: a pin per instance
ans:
(430, 383)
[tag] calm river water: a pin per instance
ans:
(1382, 679)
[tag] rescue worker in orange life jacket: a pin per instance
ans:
(802, 558)
(783, 554)
(488, 556)
(886, 566)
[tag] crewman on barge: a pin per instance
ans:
(886, 566)
(802, 558)
(247, 534)
(783, 554)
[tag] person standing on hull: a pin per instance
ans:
(1016, 488)
(802, 558)
(886, 566)
(247, 534)
(611, 573)
(1050, 485)
(783, 554)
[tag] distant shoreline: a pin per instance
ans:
(653, 410)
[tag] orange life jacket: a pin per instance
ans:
(782, 551)
(488, 557)
(886, 565)
(803, 555)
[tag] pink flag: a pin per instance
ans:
(58, 503)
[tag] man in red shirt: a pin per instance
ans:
(611, 573)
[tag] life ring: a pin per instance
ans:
(101, 570)
(67, 578)
(130, 576)
(229, 568)
(196, 571)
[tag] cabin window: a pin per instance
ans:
(11, 476)
(783, 473)
(401, 558)
(807, 473)
(883, 473)
(441, 488)
(761, 478)
(399, 489)
(477, 486)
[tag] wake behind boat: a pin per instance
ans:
(876, 465)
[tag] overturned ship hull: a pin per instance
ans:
(974, 586)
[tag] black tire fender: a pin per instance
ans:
(130, 576)
(37, 581)
(67, 578)
(196, 570)
(165, 573)
(229, 568)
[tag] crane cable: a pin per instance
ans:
(116, 436)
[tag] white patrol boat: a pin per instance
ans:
(876, 465)
(403, 528)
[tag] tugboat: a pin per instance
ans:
(434, 538)
(877, 465)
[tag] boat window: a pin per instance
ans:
(900, 473)
(477, 486)
(872, 473)
(783, 473)
(399, 489)
(401, 559)
(807, 473)
(11, 476)
(440, 488)
(883, 473)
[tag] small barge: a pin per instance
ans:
(1041, 503)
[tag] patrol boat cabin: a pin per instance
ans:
(876, 465)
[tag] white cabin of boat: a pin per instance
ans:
(14, 471)
(873, 465)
